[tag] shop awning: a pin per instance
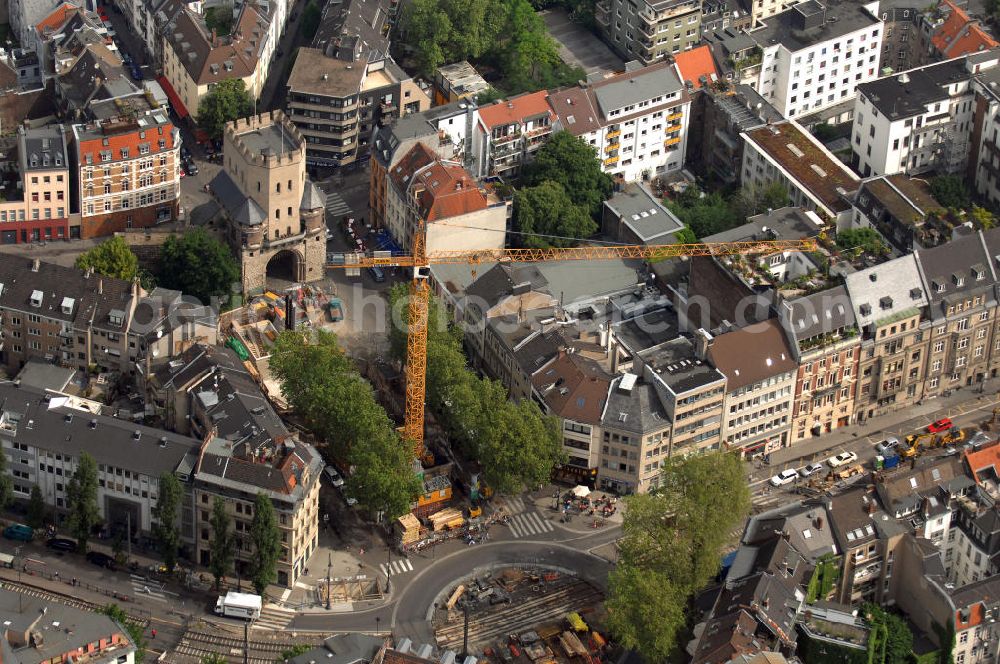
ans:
(175, 101)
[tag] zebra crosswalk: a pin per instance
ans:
(146, 588)
(529, 523)
(273, 617)
(336, 207)
(397, 567)
(509, 504)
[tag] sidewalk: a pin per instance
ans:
(545, 503)
(930, 409)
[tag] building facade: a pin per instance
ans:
(128, 173)
(36, 195)
(648, 31)
(508, 133)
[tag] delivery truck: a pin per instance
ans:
(238, 605)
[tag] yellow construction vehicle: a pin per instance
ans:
(954, 436)
(914, 442)
(988, 424)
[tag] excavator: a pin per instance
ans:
(915, 441)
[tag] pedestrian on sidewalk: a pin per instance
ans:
(154, 632)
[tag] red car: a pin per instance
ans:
(941, 425)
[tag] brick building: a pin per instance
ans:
(35, 188)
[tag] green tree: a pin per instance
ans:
(198, 265)
(951, 192)
(757, 200)
(294, 651)
(672, 538)
(82, 501)
(227, 101)
(899, 642)
(168, 501)
(686, 236)
(546, 217)
(221, 545)
(863, 240)
(322, 384)
(266, 540)
(111, 258)
(983, 217)
(220, 19)
(705, 215)
(311, 17)
(134, 630)
(6, 483)
(214, 659)
(36, 507)
(574, 164)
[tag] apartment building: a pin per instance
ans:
(458, 81)
(900, 208)
(446, 130)
(64, 314)
(916, 121)
(813, 57)
(443, 198)
(814, 178)
(889, 303)
(727, 115)
(36, 188)
(195, 59)
(948, 32)
(901, 45)
(984, 157)
(637, 121)
(824, 339)
(960, 282)
(128, 173)
(44, 434)
(648, 31)
(509, 133)
(974, 543)
(759, 386)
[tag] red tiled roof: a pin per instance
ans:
(975, 617)
(983, 459)
(126, 136)
(56, 19)
(958, 35)
(449, 191)
(418, 157)
(516, 109)
(696, 63)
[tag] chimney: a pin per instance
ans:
(100, 286)
(87, 274)
(36, 265)
(702, 342)
(215, 38)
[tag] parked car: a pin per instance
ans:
(101, 559)
(784, 477)
(61, 544)
(185, 153)
(127, 59)
(191, 167)
(348, 498)
(977, 441)
(335, 478)
(841, 459)
(376, 273)
(136, 72)
(940, 425)
(811, 469)
(19, 532)
(887, 446)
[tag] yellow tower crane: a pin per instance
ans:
(420, 261)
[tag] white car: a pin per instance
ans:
(335, 478)
(784, 477)
(811, 469)
(843, 458)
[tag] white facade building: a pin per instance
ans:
(814, 57)
(637, 121)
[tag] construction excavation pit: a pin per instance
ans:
(522, 615)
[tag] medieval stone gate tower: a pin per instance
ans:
(276, 214)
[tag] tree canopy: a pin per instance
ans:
(671, 544)
(574, 164)
(198, 265)
(311, 17)
(6, 483)
(899, 638)
(515, 443)
(546, 217)
(221, 544)
(864, 240)
(167, 533)
(266, 540)
(705, 214)
(227, 101)
(81, 495)
(322, 384)
(111, 258)
(758, 200)
(507, 35)
(37, 510)
(951, 192)
(220, 19)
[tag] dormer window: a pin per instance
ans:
(958, 279)
(124, 152)
(979, 272)
(36, 298)
(938, 286)
(865, 309)
(116, 317)
(885, 302)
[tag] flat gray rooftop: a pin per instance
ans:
(270, 140)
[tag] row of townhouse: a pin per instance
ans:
(924, 538)
(230, 444)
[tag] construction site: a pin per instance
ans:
(523, 615)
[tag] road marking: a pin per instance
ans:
(397, 567)
(512, 504)
(336, 205)
(529, 523)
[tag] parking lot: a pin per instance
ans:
(578, 46)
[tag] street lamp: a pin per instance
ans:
(388, 568)
(329, 565)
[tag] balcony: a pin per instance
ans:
(675, 116)
(538, 131)
(614, 134)
(612, 147)
(506, 138)
(611, 160)
(648, 30)
(672, 141)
